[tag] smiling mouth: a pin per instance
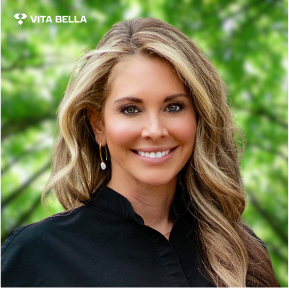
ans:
(157, 154)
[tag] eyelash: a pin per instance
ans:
(124, 108)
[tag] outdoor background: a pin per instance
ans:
(247, 42)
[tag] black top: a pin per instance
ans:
(104, 243)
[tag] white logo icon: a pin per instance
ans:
(17, 17)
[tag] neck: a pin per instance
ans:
(152, 203)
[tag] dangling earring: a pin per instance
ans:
(102, 164)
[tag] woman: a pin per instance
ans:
(147, 168)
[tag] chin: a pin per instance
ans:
(155, 181)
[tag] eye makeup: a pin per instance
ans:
(132, 109)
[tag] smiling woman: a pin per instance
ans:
(151, 134)
(146, 166)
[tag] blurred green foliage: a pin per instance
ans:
(246, 40)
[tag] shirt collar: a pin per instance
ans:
(107, 199)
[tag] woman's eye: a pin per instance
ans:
(174, 107)
(129, 110)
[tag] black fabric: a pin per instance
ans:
(104, 243)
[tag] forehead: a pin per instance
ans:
(142, 75)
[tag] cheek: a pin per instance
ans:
(184, 129)
(121, 132)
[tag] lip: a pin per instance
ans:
(155, 161)
(154, 149)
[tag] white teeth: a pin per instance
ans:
(159, 154)
(152, 155)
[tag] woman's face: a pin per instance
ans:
(149, 123)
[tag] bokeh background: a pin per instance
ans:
(245, 39)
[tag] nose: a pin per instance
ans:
(154, 128)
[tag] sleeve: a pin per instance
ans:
(17, 268)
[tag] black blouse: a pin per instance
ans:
(104, 243)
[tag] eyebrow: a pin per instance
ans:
(137, 100)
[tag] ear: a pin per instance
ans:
(97, 126)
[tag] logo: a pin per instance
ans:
(23, 16)
(49, 19)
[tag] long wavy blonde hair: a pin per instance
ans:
(229, 253)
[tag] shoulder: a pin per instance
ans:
(34, 234)
(54, 230)
(30, 252)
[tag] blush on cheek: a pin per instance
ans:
(122, 132)
(185, 130)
